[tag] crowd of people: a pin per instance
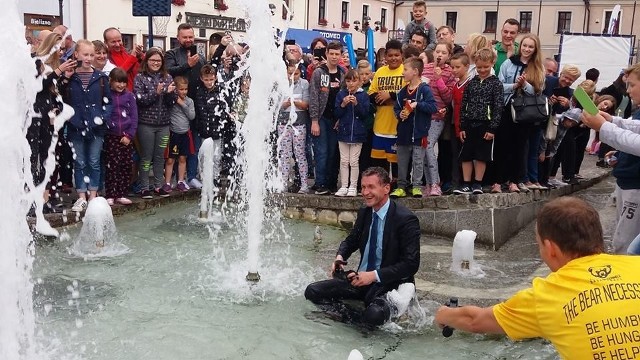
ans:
(437, 116)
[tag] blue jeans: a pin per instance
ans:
(192, 160)
(324, 151)
(634, 247)
(532, 156)
(87, 162)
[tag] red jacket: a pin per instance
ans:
(128, 63)
(457, 92)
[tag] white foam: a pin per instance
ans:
(462, 252)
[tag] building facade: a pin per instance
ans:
(548, 18)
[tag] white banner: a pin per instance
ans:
(608, 54)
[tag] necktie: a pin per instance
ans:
(373, 243)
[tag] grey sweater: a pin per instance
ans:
(181, 115)
(319, 91)
(425, 25)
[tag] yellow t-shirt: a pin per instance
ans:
(588, 309)
(385, 123)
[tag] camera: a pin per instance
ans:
(339, 273)
(448, 331)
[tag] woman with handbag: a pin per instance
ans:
(525, 110)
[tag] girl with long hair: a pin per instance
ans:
(517, 144)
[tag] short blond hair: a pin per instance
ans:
(363, 64)
(633, 69)
(589, 87)
(571, 70)
(485, 54)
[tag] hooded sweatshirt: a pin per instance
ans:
(441, 88)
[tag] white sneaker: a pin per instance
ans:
(557, 182)
(195, 183)
(352, 192)
(79, 206)
(342, 192)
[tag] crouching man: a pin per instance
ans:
(588, 307)
(387, 234)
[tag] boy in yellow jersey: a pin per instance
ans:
(588, 307)
(386, 83)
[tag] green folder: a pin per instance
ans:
(585, 101)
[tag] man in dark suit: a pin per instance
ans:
(388, 237)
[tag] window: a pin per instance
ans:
(525, 21)
(383, 18)
(564, 22)
(345, 12)
(365, 14)
(322, 7)
(607, 23)
(452, 19)
(127, 41)
(490, 21)
(285, 13)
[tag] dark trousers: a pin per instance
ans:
(365, 155)
(64, 155)
(118, 159)
(333, 291)
(568, 152)
(582, 139)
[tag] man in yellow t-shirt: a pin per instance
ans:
(386, 83)
(588, 307)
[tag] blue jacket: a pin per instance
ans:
(90, 104)
(627, 171)
(416, 126)
(352, 119)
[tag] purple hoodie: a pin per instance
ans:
(124, 118)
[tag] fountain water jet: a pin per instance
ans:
(268, 78)
(18, 88)
(98, 236)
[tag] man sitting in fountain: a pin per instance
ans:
(587, 307)
(387, 234)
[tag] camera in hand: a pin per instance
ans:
(448, 331)
(339, 272)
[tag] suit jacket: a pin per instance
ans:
(400, 243)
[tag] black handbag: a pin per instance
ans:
(529, 109)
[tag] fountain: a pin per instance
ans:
(18, 88)
(462, 261)
(98, 236)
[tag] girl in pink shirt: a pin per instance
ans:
(441, 80)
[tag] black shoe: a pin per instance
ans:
(313, 187)
(477, 189)
(162, 192)
(48, 208)
(601, 163)
(322, 191)
(146, 194)
(571, 181)
(464, 189)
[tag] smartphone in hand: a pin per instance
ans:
(320, 54)
(193, 49)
